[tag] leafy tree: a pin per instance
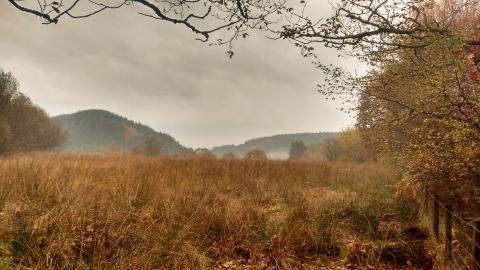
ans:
(204, 153)
(23, 125)
(150, 147)
(330, 149)
(420, 105)
(256, 155)
(297, 149)
(351, 146)
(8, 90)
(229, 156)
(153, 147)
(367, 28)
(5, 134)
(138, 149)
(431, 124)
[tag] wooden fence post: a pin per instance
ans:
(448, 234)
(436, 218)
(476, 246)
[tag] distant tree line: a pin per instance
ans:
(23, 125)
(349, 147)
(252, 155)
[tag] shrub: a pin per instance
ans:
(255, 154)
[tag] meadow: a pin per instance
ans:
(63, 211)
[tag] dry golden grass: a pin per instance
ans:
(131, 212)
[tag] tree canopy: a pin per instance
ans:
(420, 105)
(23, 125)
(255, 155)
(348, 146)
(297, 148)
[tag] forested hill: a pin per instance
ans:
(94, 130)
(275, 146)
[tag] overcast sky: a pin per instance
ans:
(158, 74)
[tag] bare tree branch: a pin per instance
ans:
(202, 17)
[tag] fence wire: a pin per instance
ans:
(459, 219)
(463, 244)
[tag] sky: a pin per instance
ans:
(160, 75)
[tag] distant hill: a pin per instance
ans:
(91, 130)
(276, 146)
